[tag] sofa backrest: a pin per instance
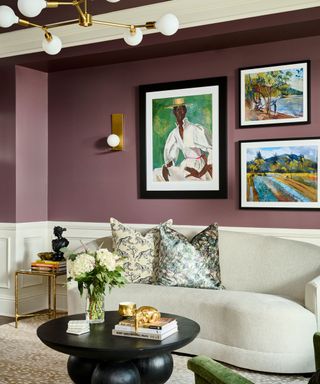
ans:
(256, 263)
(267, 264)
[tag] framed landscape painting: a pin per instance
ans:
(280, 173)
(275, 95)
(183, 139)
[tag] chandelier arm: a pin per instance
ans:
(55, 4)
(147, 25)
(26, 23)
(112, 24)
(62, 23)
(80, 11)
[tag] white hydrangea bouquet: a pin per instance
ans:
(94, 271)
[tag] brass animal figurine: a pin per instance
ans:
(144, 315)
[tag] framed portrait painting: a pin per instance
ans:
(275, 95)
(280, 173)
(183, 139)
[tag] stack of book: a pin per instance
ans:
(78, 327)
(49, 266)
(157, 330)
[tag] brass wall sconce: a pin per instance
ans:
(115, 140)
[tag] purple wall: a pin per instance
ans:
(86, 183)
(31, 145)
(7, 145)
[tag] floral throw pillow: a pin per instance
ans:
(140, 251)
(189, 264)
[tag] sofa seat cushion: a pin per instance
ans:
(246, 320)
(251, 330)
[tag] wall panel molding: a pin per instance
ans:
(80, 231)
(31, 238)
(5, 252)
(7, 227)
(7, 267)
(25, 240)
(89, 231)
(19, 243)
(307, 235)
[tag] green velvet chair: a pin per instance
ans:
(315, 379)
(316, 345)
(208, 371)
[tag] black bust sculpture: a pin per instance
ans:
(59, 243)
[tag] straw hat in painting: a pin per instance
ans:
(178, 103)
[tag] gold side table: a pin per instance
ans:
(52, 289)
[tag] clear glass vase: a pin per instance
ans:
(95, 308)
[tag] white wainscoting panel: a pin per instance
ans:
(32, 245)
(87, 231)
(5, 256)
(20, 243)
(7, 266)
(307, 235)
(79, 233)
(31, 238)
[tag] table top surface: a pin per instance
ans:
(100, 344)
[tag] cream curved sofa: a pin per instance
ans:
(265, 318)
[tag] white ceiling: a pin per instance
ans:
(191, 13)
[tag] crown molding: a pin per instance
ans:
(191, 13)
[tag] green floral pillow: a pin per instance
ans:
(189, 264)
(140, 251)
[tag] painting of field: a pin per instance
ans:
(282, 187)
(282, 174)
(275, 94)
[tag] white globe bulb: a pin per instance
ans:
(133, 39)
(113, 140)
(113, 1)
(168, 24)
(7, 17)
(31, 8)
(53, 46)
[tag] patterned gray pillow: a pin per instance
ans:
(139, 250)
(189, 264)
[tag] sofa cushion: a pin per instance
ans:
(139, 250)
(268, 331)
(189, 264)
(251, 330)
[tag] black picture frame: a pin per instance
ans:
(287, 104)
(205, 98)
(280, 174)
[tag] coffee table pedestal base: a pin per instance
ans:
(115, 373)
(152, 370)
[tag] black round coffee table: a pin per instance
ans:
(99, 357)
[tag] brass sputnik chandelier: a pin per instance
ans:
(168, 24)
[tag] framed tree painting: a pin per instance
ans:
(275, 95)
(280, 173)
(183, 139)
